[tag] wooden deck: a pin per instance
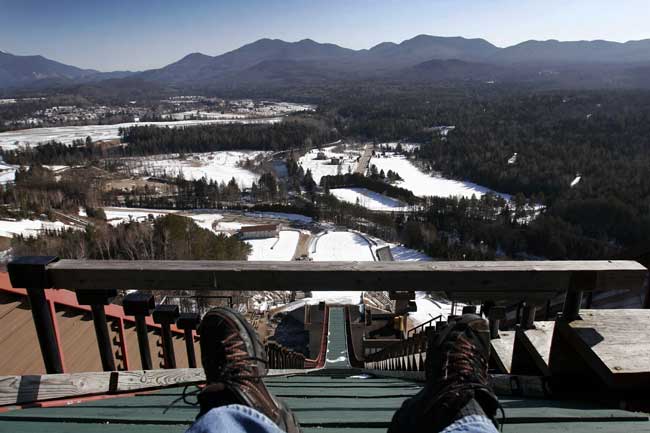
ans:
(321, 403)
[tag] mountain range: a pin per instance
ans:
(422, 58)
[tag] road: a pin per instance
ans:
(364, 160)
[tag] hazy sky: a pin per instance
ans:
(143, 34)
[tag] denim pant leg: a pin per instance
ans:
(471, 424)
(234, 418)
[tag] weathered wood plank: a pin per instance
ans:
(615, 343)
(457, 279)
(28, 389)
(533, 347)
(502, 350)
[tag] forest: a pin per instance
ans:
(601, 136)
(151, 140)
(376, 184)
(171, 237)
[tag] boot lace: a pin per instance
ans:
(239, 366)
(465, 370)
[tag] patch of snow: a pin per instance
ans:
(402, 254)
(407, 147)
(368, 199)
(116, 216)
(513, 159)
(425, 185)
(29, 228)
(205, 220)
(281, 248)
(7, 172)
(576, 181)
(444, 130)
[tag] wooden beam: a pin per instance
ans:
(461, 280)
(28, 389)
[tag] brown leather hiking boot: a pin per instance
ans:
(457, 380)
(235, 361)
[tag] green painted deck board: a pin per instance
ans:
(337, 405)
(72, 427)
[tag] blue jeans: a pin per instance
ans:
(242, 419)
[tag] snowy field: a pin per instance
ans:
(424, 185)
(206, 220)
(28, 227)
(66, 134)
(217, 166)
(279, 249)
(324, 167)
(116, 216)
(368, 199)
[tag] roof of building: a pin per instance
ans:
(259, 228)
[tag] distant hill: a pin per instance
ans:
(21, 71)
(273, 62)
(557, 52)
(422, 58)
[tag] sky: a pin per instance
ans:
(144, 34)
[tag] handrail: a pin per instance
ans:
(462, 280)
(423, 325)
(473, 281)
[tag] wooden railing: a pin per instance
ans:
(479, 282)
(281, 358)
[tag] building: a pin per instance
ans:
(259, 232)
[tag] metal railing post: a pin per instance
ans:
(140, 305)
(165, 316)
(31, 273)
(97, 299)
(188, 322)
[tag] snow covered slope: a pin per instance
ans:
(423, 185)
(279, 249)
(340, 246)
(368, 199)
(217, 166)
(324, 167)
